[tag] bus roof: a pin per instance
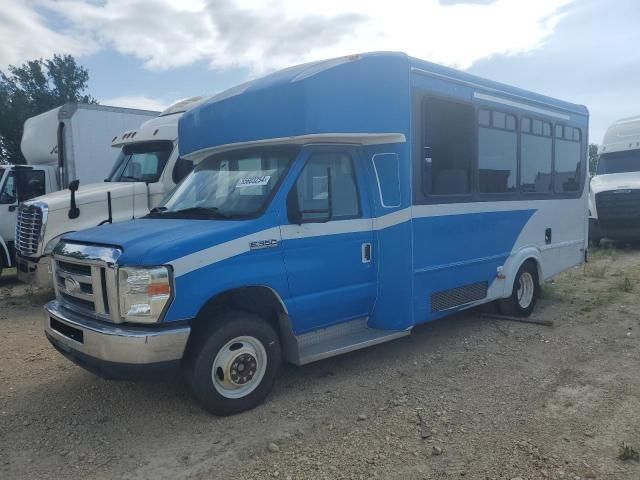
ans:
(623, 134)
(365, 95)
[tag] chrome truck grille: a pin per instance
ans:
(29, 228)
(85, 279)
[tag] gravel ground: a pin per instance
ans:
(498, 400)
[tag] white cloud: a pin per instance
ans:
(267, 34)
(24, 36)
(138, 101)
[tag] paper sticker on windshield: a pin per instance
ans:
(257, 181)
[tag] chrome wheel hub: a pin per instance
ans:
(526, 290)
(239, 367)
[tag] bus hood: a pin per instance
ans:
(92, 193)
(615, 181)
(158, 241)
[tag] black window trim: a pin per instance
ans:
(355, 178)
(497, 195)
(420, 196)
(473, 166)
(537, 195)
(576, 193)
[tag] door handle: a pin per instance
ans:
(366, 252)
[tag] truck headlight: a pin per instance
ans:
(143, 292)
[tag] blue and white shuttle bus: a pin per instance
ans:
(334, 206)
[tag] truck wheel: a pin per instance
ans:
(234, 363)
(526, 290)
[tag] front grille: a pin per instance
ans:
(618, 207)
(85, 279)
(28, 229)
(455, 297)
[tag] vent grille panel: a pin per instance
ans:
(458, 296)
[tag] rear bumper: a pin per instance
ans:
(112, 350)
(35, 272)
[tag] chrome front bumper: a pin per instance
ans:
(80, 337)
(38, 274)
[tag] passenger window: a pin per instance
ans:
(498, 155)
(448, 147)
(30, 185)
(387, 169)
(313, 188)
(567, 160)
(181, 169)
(535, 158)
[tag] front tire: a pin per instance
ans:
(526, 289)
(234, 363)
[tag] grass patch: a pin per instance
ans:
(624, 285)
(595, 271)
(627, 452)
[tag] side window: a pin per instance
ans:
(313, 188)
(387, 169)
(497, 152)
(448, 139)
(535, 156)
(181, 169)
(8, 193)
(567, 159)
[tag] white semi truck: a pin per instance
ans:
(62, 145)
(614, 200)
(147, 167)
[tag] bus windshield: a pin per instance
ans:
(229, 185)
(142, 162)
(619, 162)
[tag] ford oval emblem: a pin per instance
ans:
(71, 285)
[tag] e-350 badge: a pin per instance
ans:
(260, 244)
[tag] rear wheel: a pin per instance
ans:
(234, 363)
(526, 289)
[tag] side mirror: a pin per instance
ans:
(74, 211)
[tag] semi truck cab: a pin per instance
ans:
(147, 167)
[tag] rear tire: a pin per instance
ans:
(234, 363)
(526, 289)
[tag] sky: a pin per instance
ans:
(151, 53)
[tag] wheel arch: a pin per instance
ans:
(260, 300)
(515, 262)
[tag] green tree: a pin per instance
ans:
(33, 88)
(593, 158)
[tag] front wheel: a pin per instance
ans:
(234, 363)
(526, 289)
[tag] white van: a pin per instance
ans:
(614, 200)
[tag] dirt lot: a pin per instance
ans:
(499, 400)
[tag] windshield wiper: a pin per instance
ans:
(127, 177)
(157, 211)
(199, 211)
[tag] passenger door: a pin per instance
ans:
(328, 243)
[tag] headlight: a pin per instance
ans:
(51, 244)
(143, 292)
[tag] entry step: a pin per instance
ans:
(342, 338)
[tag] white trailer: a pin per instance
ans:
(67, 143)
